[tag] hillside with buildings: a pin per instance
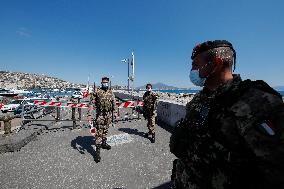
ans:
(19, 80)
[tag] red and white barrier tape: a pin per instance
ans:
(129, 104)
(61, 104)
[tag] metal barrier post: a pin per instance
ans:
(138, 111)
(8, 126)
(22, 114)
(73, 118)
(57, 110)
(57, 113)
(79, 110)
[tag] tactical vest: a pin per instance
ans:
(104, 100)
(149, 102)
(184, 134)
(201, 144)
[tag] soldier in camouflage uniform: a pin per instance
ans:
(105, 102)
(149, 110)
(233, 132)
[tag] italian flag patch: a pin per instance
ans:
(268, 127)
(93, 131)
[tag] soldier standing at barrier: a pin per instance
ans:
(232, 136)
(105, 103)
(149, 110)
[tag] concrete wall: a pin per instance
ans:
(167, 111)
(170, 112)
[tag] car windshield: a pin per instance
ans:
(16, 102)
(34, 99)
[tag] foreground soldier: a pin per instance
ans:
(149, 111)
(233, 132)
(104, 102)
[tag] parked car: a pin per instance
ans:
(29, 105)
(77, 94)
(12, 106)
(17, 104)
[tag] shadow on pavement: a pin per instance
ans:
(84, 144)
(165, 126)
(33, 125)
(164, 186)
(132, 132)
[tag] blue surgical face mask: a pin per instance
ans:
(196, 79)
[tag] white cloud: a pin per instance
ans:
(23, 32)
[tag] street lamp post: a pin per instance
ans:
(132, 64)
(128, 76)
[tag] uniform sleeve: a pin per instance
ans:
(95, 99)
(260, 122)
(144, 96)
(113, 100)
(156, 101)
(91, 99)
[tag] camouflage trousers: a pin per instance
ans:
(151, 121)
(181, 177)
(101, 134)
(103, 122)
(184, 177)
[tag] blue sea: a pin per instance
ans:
(194, 91)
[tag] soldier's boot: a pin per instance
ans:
(146, 135)
(98, 153)
(153, 139)
(105, 145)
(5, 135)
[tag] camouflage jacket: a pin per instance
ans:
(231, 138)
(150, 103)
(103, 100)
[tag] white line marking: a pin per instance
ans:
(119, 139)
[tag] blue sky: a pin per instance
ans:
(73, 39)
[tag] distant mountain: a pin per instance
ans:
(279, 88)
(160, 86)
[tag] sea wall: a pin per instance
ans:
(168, 111)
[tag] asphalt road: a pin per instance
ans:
(64, 158)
